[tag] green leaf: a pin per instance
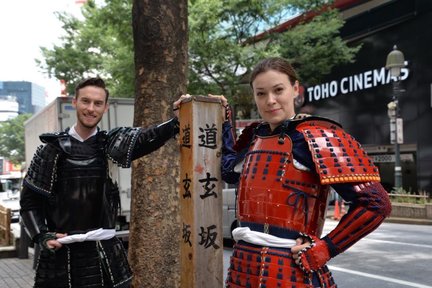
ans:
(12, 139)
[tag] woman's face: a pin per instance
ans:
(274, 96)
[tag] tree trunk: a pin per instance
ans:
(160, 45)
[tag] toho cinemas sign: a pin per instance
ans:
(353, 83)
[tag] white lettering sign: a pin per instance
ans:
(389, 158)
(399, 130)
(353, 83)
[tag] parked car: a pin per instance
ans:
(229, 211)
(9, 195)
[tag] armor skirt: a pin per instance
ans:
(255, 266)
(88, 264)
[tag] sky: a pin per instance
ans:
(25, 26)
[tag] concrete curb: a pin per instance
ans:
(399, 220)
(415, 221)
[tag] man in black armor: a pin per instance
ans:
(69, 201)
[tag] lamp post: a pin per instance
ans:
(395, 62)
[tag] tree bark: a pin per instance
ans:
(160, 45)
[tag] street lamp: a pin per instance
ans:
(395, 62)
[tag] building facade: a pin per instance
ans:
(8, 108)
(30, 96)
(357, 94)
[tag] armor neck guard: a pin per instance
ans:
(263, 129)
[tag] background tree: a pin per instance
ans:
(318, 46)
(100, 44)
(218, 30)
(12, 139)
(220, 48)
(160, 45)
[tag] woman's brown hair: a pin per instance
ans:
(274, 63)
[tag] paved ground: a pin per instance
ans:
(16, 273)
(19, 273)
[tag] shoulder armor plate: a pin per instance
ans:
(338, 157)
(121, 142)
(52, 137)
(41, 173)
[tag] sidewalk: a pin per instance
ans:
(16, 273)
(19, 273)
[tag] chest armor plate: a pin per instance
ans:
(273, 191)
(80, 202)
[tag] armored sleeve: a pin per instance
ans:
(33, 212)
(37, 188)
(41, 173)
(229, 155)
(341, 162)
(233, 151)
(125, 144)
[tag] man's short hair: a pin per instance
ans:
(93, 81)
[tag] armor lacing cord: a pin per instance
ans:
(69, 267)
(103, 260)
(294, 198)
(281, 139)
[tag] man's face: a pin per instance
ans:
(90, 104)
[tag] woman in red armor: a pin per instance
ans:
(285, 167)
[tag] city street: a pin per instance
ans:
(393, 256)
